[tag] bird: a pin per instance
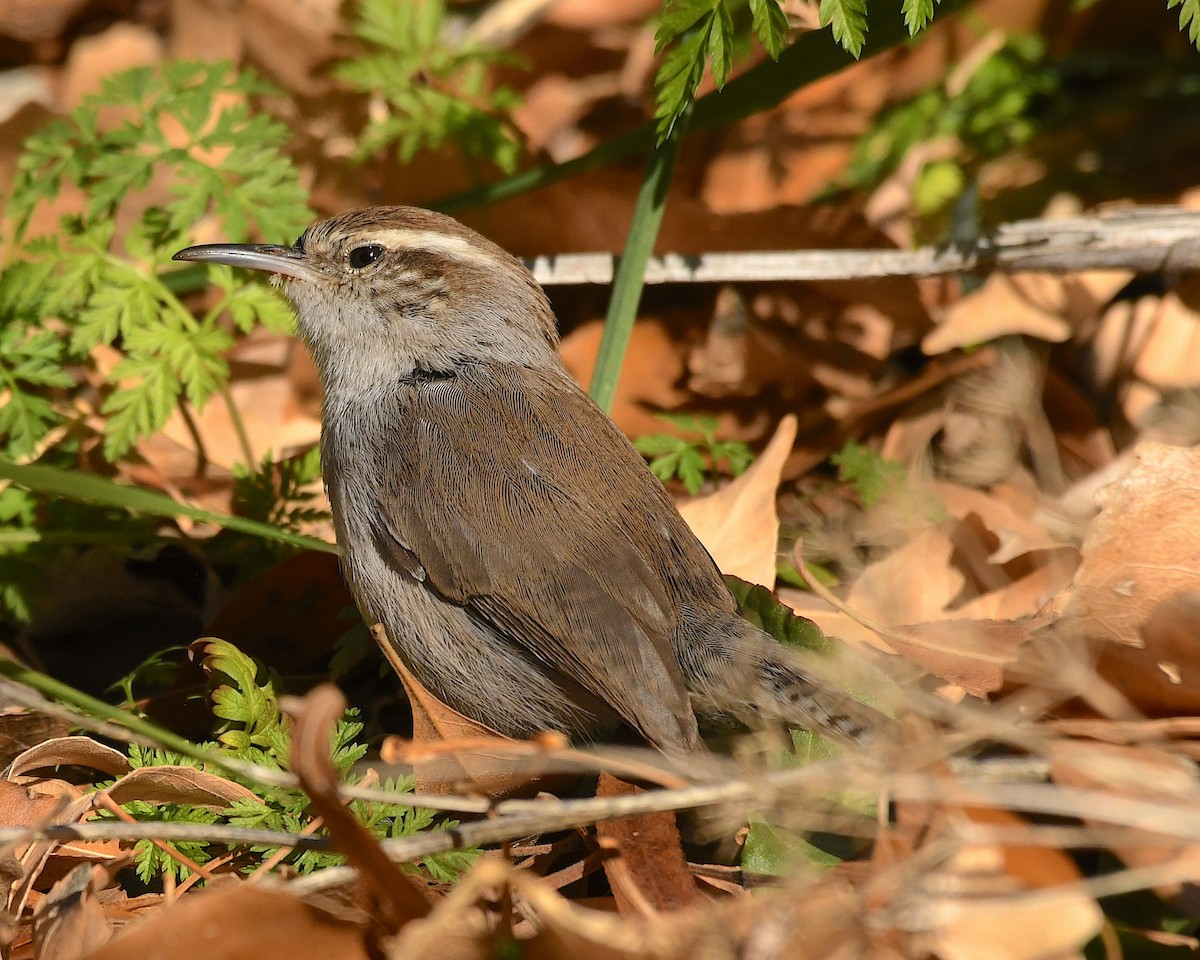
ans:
(528, 567)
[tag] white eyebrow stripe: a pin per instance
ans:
(457, 247)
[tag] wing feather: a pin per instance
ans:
(511, 497)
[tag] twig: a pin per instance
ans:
(1177, 820)
(397, 896)
(104, 801)
(128, 728)
(1146, 240)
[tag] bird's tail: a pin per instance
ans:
(751, 678)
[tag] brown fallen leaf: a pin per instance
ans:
(69, 751)
(239, 923)
(1170, 357)
(1160, 676)
(653, 365)
(969, 653)
(976, 898)
(1142, 550)
(739, 524)
(70, 922)
(914, 583)
(177, 784)
(645, 865)
(21, 728)
(1029, 304)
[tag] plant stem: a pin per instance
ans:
(631, 271)
(239, 426)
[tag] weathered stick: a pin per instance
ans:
(1146, 239)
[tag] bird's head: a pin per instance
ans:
(382, 291)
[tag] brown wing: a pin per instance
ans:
(512, 495)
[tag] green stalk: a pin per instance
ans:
(76, 485)
(631, 271)
(90, 707)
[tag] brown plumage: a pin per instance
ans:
(527, 565)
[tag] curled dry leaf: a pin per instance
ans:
(739, 523)
(1018, 533)
(172, 784)
(397, 897)
(69, 751)
(820, 921)
(21, 729)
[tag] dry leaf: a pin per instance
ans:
(22, 728)
(69, 751)
(992, 901)
(649, 872)
(239, 922)
(1029, 304)
(396, 897)
(1143, 547)
(914, 583)
(653, 365)
(171, 784)
(969, 653)
(739, 524)
(1018, 533)
(1160, 676)
(1170, 357)
(70, 922)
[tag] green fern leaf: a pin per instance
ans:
(1189, 18)
(849, 21)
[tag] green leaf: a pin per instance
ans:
(773, 851)
(691, 469)
(656, 444)
(937, 186)
(254, 305)
(849, 20)
(917, 13)
(770, 26)
(1189, 18)
(756, 604)
(104, 289)
(432, 92)
(871, 475)
(720, 45)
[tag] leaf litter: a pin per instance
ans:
(1026, 572)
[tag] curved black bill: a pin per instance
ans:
(268, 257)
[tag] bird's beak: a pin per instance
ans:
(269, 257)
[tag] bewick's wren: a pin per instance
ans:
(525, 562)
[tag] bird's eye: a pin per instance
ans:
(365, 255)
